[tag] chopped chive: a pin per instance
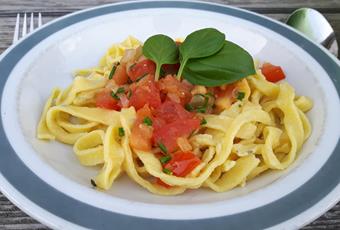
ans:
(165, 159)
(189, 107)
(147, 121)
(120, 90)
(162, 147)
(141, 77)
(201, 110)
(93, 183)
(112, 72)
(203, 121)
(121, 132)
(167, 171)
(131, 66)
(129, 94)
(240, 96)
(114, 95)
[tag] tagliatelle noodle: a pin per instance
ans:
(263, 131)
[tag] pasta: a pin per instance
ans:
(237, 140)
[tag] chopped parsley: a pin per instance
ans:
(162, 147)
(167, 171)
(147, 121)
(203, 121)
(240, 96)
(165, 159)
(121, 132)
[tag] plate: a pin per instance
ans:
(45, 180)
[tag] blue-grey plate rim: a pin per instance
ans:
(82, 214)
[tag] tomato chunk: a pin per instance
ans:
(175, 90)
(120, 76)
(141, 134)
(171, 111)
(106, 101)
(140, 69)
(145, 92)
(182, 163)
(168, 133)
(161, 183)
(170, 68)
(272, 73)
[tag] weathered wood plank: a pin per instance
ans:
(263, 6)
(7, 26)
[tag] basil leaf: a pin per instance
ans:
(162, 50)
(199, 44)
(230, 64)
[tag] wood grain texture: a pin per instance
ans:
(12, 217)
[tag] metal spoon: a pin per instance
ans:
(315, 26)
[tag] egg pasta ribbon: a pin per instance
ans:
(264, 128)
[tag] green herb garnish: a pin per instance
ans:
(112, 72)
(129, 94)
(120, 90)
(93, 183)
(205, 57)
(240, 96)
(165, 159)
(131, 66)
(147, 121)
(121, 132)
(228, 65)
(203, 121)
(162, 50)
(167, 171)
(162, 147)
(188, 107)
(114, 95)
(201, 102)
(141, 77)
(199, 44)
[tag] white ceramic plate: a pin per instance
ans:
(47, 182)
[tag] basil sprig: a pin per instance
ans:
(205, 57)
(199, 44)
(228, 65)
(162, 50)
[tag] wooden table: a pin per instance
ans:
(12, 217)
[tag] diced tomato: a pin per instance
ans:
(120, 76)
(182, 163)
(272, 73)
(176, 90)
(141, 68)
(168, 133)
(171, 111)
(141, 135)
(106, 101)
(170, 68)
(145, 92)
(161, 183)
